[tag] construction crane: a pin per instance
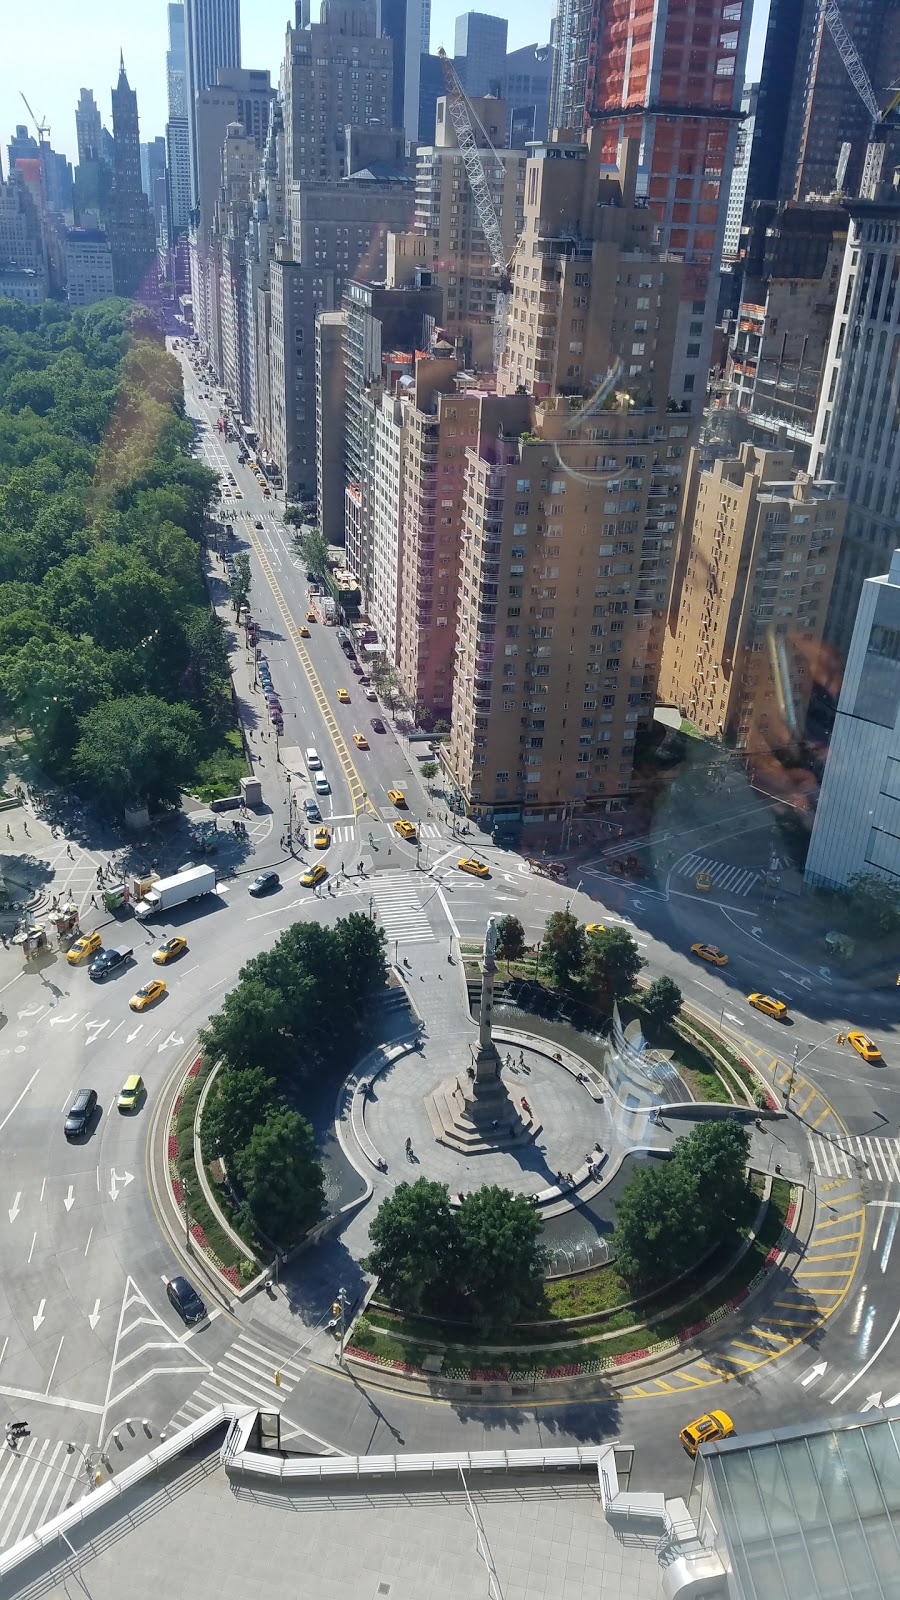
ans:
(463, 116)
(861, 82)
(41, 128)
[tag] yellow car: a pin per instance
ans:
(315, 875)
(863, 1046)
(323, 838)
(130, 1092)
(477, 868)
(772, 1008)
(715, 1425)
(83, 948)
(305, 633)
(595, 927)
(171, 950)
(405, 829)
(710, 953)
(238, 495)
(310, 616)
(151, 992)
(361, 742)
(344, 697)
(397, 798)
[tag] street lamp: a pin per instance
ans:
(186, 1191)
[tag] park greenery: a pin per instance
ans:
(672, 1214)
(109, 654)
(602, 965)
(481, 1260)
(312, 548)
(297, 1008)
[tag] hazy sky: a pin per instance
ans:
(51, 48)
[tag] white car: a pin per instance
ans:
(371, 695)
(322, 784)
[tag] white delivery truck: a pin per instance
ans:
(168, 892)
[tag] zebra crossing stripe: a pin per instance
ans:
(881, 1157)
(28, 1503)
(245, 1373)
(401, 913)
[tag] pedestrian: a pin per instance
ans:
(69, 852)
(25, 826)
(521, 1058)
(508, 1059)
(8, 831)
(559, 1179)
(93, 899)
(408, 1147)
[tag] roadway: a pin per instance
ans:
(87, 1337)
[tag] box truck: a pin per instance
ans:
(168, 892)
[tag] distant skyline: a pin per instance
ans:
(51, 49)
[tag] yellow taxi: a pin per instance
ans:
(344, 696)
(772, 1008)
(315, 875)
(238, 495)
(310, 616)
(405, 829)
(130, 1093)
(148, 995)
(864, 1046)
(323, 839)
(361, 742)
(715, 1425)
(305, 633)
(595, 927)
(397, 798)
(710, 953)
(83, 948)
(171, 950)
(478, 869)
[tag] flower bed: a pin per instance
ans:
(208, 1237)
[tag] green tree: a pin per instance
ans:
(611, 966)
(386, 679)
(662, 1001)
(669, 1216)
(138, 750)
(281, 1176)
(563, 948)
(510, 940)
(312, 548)
(414, 1243)
(240, 581)
(429, 770)
(501, 1261)
(249, 1028)
(237, 1103)
(716, 1154)
(361, 946)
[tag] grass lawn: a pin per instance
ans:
(393, 1337)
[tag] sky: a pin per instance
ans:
(53, 48)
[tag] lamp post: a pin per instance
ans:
(795, 1064)
(186, 1191)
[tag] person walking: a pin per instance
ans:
(408, 1148)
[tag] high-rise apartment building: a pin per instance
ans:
(446, 211)
(21, 233)
(23, 146)
(857, 438)
(824, 110)
(240, 166)
(407, 23)
(753, 578)
(670, 76)
(571, 501)
(212, 42)
(479, 52)
(88, 128)
(857, 826)
(131, 232)
(178, 149)
(331, 401)
(737, 189)
(338, 73)
(89, 266)
(525, 86)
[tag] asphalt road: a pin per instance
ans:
(87, 1337)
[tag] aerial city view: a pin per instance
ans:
(450, 800)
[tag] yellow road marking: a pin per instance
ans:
(827, 1272)
(770, 1333)
(836, 1255)
(755, 1349)
(792, 1322)
(846, 1216)
(821, 1117)
(836, 1183)
(359, 799)
(807, 1102)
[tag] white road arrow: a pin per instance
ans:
(40, 1316)
(116, 1178)
(814, 1372)
(130, 1037)
(94, 1030)
(14, 1208)
(873, 1401)
(56, 1022)
(173, 1040)
(70, 1198)
(94, 1316)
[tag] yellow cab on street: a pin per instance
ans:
(772, 1008)
(83, 948)
(715, 1425)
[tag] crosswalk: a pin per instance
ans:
(37, 1481)
(400, 910)
(848, 1155)
(343, 833)
(739, 881)
(246, 1375)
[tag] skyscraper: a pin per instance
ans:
(407, 23)
(131, 232)
(338, 73)
(153, 165)
(773, 100)
(88, 128)
(212, 40)
(178, 153)
(479, 52)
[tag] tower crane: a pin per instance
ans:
(861, 82)
(42, 128)
(463, 116)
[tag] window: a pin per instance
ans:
(523, 485)
(503, 777)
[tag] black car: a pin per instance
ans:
(185, 1299)
(80, 1113)
(313, 814)
(265, 883)
(378, 725)
(109, 961)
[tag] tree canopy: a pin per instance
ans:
(663, 999)
(563, 948)
(669, 1215)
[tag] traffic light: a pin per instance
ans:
(336, 1308)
